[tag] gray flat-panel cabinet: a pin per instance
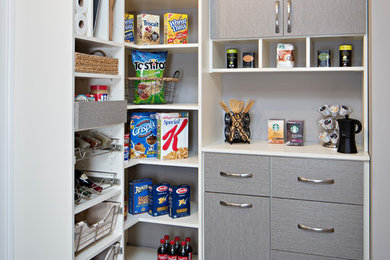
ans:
(236, 227)
(324, 17)
(246, 18)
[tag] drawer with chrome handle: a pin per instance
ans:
(316, 229)
(315, 181)
(236, 205)
(236, 175)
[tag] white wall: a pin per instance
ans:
(43, 95)
(379, 132)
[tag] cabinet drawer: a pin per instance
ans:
(344, 241)
(281, 255)
(239, 174)
(232, 232)
(343, 180)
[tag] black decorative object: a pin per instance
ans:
(348, 130)
(237, 128)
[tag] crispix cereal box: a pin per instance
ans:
(129, 28)
(158, 199)
(175, 28)
(179, 201)
(143, 135)
(138, 196)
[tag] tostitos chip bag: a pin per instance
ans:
(149, 64)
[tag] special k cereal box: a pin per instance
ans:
(175, 28)
(148, 29)
(172, 135)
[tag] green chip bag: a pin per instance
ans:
(149, 64)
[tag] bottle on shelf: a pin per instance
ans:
(183, 254)
(177, 244)
(188, 248)
(162, 251)
(83, 180)
(172, 253)
(166, 237)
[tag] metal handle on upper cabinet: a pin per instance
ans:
(236, 175)
(289, 16)
(277, 3)
(307, 180)
(321, 230)
(236, 205)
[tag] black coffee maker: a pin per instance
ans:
(347, 126)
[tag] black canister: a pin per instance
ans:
(345, 55)
(323, 57)
(232, 62)
(248, 59)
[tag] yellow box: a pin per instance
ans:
(175, 28)
(276, 131)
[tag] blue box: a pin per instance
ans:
(138, 196)
(158, 199)
(143, 135)
(179, 201)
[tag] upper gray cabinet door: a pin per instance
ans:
(324, 17)
(246, 18)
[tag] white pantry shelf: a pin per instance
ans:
(96, 199)
(97, 247)
(190, 162)
(96, 42)
(96, 76)
(190, 221)
(296, 69)
(175, 48)
(175, 106)
(143, 253)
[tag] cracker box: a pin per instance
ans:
(172, 135)
(129, 28)
(294, 133)
(276, 131)
(143, 135)
(175, 28)
(148, 29)
(139, 196)
(179, 201)
(158, 199)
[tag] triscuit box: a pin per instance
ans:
(172, 135)
(129, 28)
(158, 199)
(179, 201)
(148, 29)
(294, 133)
(276, 131)
(175, 28)
(139, 196)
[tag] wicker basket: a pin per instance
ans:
(90, 63)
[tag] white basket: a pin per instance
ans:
(95, 223)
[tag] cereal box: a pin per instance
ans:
(179, 201)
(143, 135)
(276, 131)
(139, 196)
(175, 28)
(148, 29)
(158, 199)
(172, 135)
(129, 28)
(294, 133)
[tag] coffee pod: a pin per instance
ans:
(324, 136)
(334, 110)
(345, 110)
(334, 137)
(328, 123)
(324, 110)
(321, 122)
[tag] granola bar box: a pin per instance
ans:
(172, 135)
(143, 135)
(148, 29)
(139, 196)
(175, 28)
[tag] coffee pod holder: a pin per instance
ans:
(237, 128)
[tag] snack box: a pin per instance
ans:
(172, 135)
(143, 135)
(285, 55)
(148, 29)
(276, 131)
(175, 28)
(139, 196)
(158, 199)
(294, 133)
(129, 28)
(179, 201)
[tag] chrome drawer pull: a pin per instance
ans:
(307, 180)
(236, 175)
(236, 205)
(277, 3)
(289, 16)
(321, 230)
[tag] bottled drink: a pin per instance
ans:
(177, 244)
(166, 237)
(162, 251)
(183, 255)
(172, 254)
(83, 180)
(188, 248)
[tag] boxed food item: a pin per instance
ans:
(143, 135)
(129, 28)
(158, 199)
(175, 28)
(139, 196)
(172, 135)
(276, 131)
(294, 132)
(285, 55)
(179, 201)
(148, 29)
